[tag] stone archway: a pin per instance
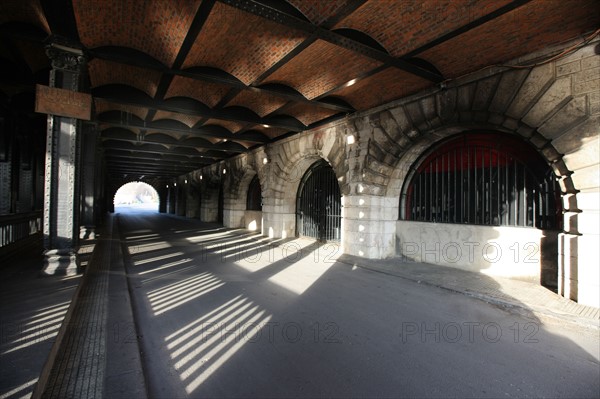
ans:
(136, 196)
(544, 105)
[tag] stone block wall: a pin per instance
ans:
(554, 106)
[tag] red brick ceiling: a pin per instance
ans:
(246, 73)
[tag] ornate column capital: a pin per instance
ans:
(66, 55)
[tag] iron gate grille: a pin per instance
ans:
(319, 205)
(484, 179)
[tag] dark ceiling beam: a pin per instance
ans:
(61, 18)
(148, 141)
(210, 114)
(143, 171)
(152, 164)
(345, 11)
(145, 157)
(195, 28)
(139, 174)
(190, 131)
(121, 163)
(197, 158)
(265, 11)
(348, 9)
(160, 172)
(465, 28)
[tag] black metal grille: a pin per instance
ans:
(484, 179)
(254, 198)
(319, 204)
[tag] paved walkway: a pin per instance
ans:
(101, 347)
(32, 310)
(520, 295)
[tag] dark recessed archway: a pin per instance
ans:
(319, 204)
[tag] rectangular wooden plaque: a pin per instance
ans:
(61, 102)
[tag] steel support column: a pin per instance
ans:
(63, 158)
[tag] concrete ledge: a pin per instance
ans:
(517, 296)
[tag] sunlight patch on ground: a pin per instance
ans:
(18, 391)
(157, 258)
(168, 265)
(42, 326)
(206, 344)
(174, 295)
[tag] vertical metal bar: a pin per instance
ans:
(455, 176)
(436, 191)
(515, 193)
(525, 200)
(506, 191)
(463, 200)
(476, 185)
(468, 205)
(498, 192)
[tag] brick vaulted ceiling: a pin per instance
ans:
(185, 83)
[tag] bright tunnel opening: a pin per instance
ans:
(136, 197)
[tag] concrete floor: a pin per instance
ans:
(222, 313)
(32, 308)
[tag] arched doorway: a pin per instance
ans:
(318, 204)
(254, 197)
(136, 197)
(220, 205)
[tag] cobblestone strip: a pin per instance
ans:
(78, 371)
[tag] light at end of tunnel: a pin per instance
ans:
(265, 160)
(185, 181)
(200, 177)
(224, 170)
(350, 139)
(167, 186)
(174, 184)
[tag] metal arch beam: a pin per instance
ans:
(197, 23)
(219, 80)
(147, 156)
(162, 105)
(61, 18)
(191, 132)
(150, 151)
(180, 145)
(264, 11)
(118, 160)
(465, 28)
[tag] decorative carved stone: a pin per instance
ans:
(66, 55)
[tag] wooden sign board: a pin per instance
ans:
(61, 102)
